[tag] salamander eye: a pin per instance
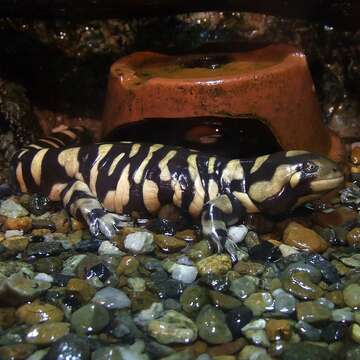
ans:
(309, 167)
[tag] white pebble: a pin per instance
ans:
(141, 242)
(108, 248)
(287, 250)
(153, 312)
(44, 277)
(184, 273)
(237, 233)
(111, 298)
(12, 209)
(11, 233)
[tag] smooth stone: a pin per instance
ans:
(199, 251)
(169, 244)
(155, 311)
(11, 233)
(141, 242)
(48, 248)
(352, 261)
(284, 302)
(127, 265)
(216, 282)
(223, 301)
(22, 223)
(303, 238)
(252, 352)
(212, 326)
(249, 268)
(172, 304)
(300, 266)
(71, 346)
(237, 318)
(306, 351)
(10, 267)
(11, 209)
(353, 237)
(7, 317)
(184, 273)
(193, 299)
(173, 327)
(170, 288)
(90, 319)
(142, 300)
(356, 315)
(38, 355)
(136, 284)
(312, 312)
(124, 327)
(244, 286)
(278, 329)
(48, 265)
(61, 221)
(85, 246)
(215, 264)
(182, 355)
(257, 337)
(307, 331)
(16, 243)
(264, 252)
(16, 351)
(352, 295)
(328, 270)
(339, 216)
(71, 264)
(47, 333)
(111, 298)
(287, 250)
(81, 288)
(230, 348)
(260, 302)
(300, 285)
(32, 314)
(335, 331)
(237, 233)
(355, 332)
(342, 315)
(108, 248)
(188, 235)
(18, 289)
(252, 239)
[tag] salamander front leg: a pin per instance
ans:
(217, 215)
(78, 199)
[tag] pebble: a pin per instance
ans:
(284, 302)
(48, 248)
(11, 233)
(278, 329)
(22, 223)
(193, 299)
(212, 326)
(169, 244)
(81, 288)
(355, 332)
(111, 298)
(257, 337)
(215, 264)
(7, 317)
(11, 209)
(342, 315)
(252, 352)
(173, 327)
(328, 270)
(353, 237)
(70, 346)
(127, 265)
(249, 268)
(16, 351)
(312, 312)
(237, 318)
(304, 238)
(136, 284)
(244, 286)
(48, 265)
(170, 288)
(260, 302)
(306, 351)
(300, 285)
(264, 252)
(184, 273)
(155, 311)
(47, 333)
(33, 313)
(339, 216)
(223, 301)
(307, 331)
(229, 348)
(335, 331)
(237, 233)
(352, 261)
(301, 266)
(90, 319)
(188, 235)
(16, 243)
(140, 242)
(108, 248)
(352, 295)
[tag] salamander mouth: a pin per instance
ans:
(326, 184)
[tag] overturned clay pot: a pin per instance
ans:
(272, 84)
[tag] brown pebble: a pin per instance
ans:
(304, 238)
(16, 243)
(278, 329)
(17, 351)
(169, 244)
(127, 265)
(61, 221)
(229, 348)
(197, 348)
(337, 217)
(82, 288)
(23, 223)
(336, 297)
(142, 300)
(76, 225)
(32, 314)
(353, 237)
(249, 268)
(40, 232)
(7, 317)
(188, 235)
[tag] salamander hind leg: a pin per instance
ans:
(78, 199)
(216, 216)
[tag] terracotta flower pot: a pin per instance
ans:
(273, 84)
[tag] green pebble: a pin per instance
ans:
(193, 299)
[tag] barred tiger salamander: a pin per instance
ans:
(99, 181)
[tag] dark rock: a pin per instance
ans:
(44, 249)
(305, 351)
(100, 271)
(216, 282)
(71, 302)
(88, 245)
(37, 238)
(38, 204)
(159, 276)
(328, 270)
(335, 331)
(162, 226)
(5, 191)
(43, 224)
(264, 252)
(61, 279)
(71, 346)
(170, 289)
(237, 318)
(48, 265)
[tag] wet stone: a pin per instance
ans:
(199, 250)
(328, 271)
(284, 302)
(100, 271)
(91, 245)
(237, 318)
(81, 288)
(16, 243)
(48, 265)
(307, 331)
(212, 326)
(265, 251)
(38, 204)
(353, 237)
(169, 244)
(32, 314)
(173, 327)
(249, 268)
(48, 248)
(127, 265)
(170, 288)
(305, 351)
(342, 315)
(250, 351)
(244, 286)
(300, 285)
(335, 331)
(300, 266)
(184, 273)
(312, 312)
(16, 352)
(215, 264)
(193, 299)
(90, 319)
(140, 242)
(11, 209)
(23, 223)
(352, 295)
(355, 333)
(219, 283)
(7, 317)
(223, 301)
(47, 333)
(70, 346)
(111, 298)
(278, 329)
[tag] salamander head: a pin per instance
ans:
(280, 182)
